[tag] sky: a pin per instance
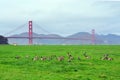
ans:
(64, 17)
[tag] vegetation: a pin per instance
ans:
(16, 62)
(3, 40)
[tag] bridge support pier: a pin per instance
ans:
(30, 33)
(93, 36)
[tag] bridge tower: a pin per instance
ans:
(93, 36)
(30, 33)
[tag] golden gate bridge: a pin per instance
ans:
(30, 36)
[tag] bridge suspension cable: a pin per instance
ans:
(41, 28)
(17, 28)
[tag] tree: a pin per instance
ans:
(3, 40)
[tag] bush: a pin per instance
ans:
(3, 40)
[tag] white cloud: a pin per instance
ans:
(72, 15)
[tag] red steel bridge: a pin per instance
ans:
(31, 37)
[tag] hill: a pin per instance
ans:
(99, 39)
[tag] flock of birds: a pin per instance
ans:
(61, 58)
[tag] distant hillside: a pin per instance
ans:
(100, 39)
(36, 41)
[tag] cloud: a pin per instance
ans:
(56, 15)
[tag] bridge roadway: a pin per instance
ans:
(49, 38)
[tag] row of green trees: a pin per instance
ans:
(3, 40)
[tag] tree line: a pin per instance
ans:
(3, 40)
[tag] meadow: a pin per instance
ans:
(83, 69)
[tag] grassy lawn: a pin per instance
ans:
(83, 69)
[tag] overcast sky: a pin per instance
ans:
(63, 17)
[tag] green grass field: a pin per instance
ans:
(84, 69)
